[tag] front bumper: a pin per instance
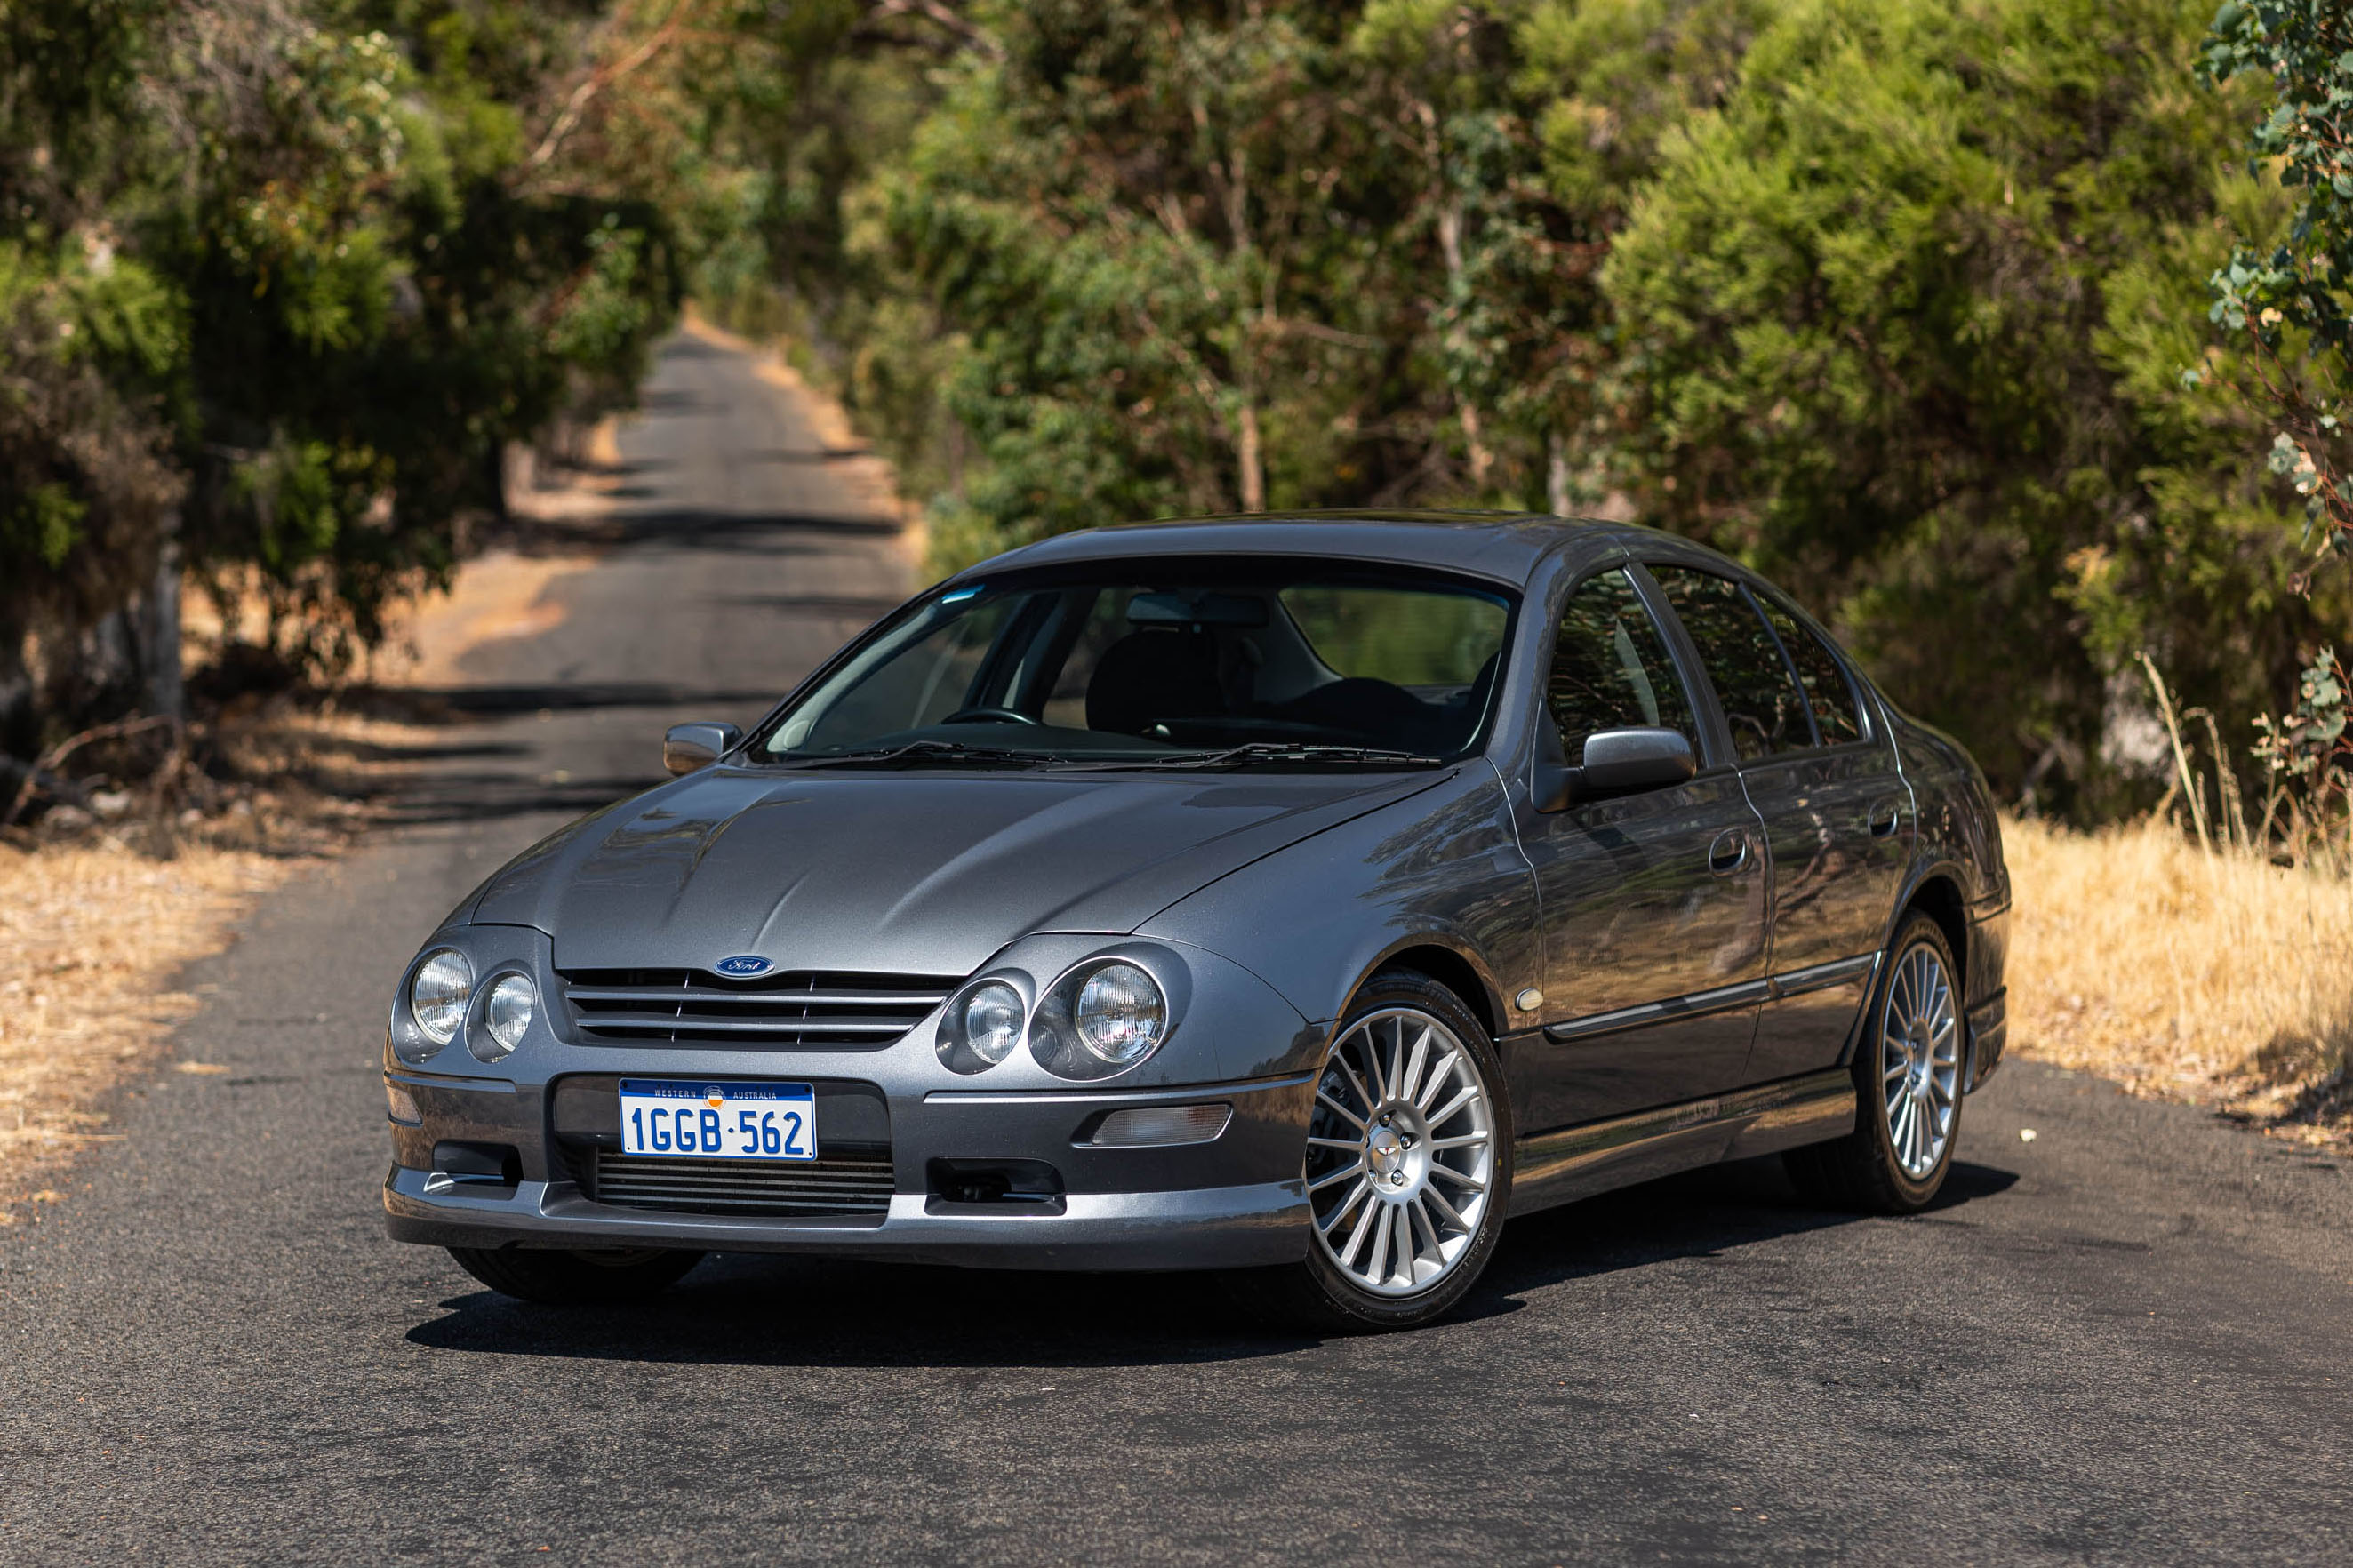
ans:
(1211, 1228)
(1237, 1201)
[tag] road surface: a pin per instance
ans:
(2119, 1342)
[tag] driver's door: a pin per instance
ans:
(1653, 903)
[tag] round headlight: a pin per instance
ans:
(1120, 1014)
(438, 996)
(992, 1021)
(505, 1015)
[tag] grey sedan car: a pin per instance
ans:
(1298, 898)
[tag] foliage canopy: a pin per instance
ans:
(1893, 300)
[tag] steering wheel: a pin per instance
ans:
(989, 716)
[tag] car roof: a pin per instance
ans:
(1504, 546)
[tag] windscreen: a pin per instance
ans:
(1250, 662)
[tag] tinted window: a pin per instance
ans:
(1410, 638)
(1826, 684)
(1144, 658)
(1610, 668)
(1752, 680)
(927, 682)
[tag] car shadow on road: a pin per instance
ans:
(752, 1309)
(1697, 1215)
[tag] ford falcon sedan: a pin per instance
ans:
(1298, 898)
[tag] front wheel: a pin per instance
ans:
(1908, 1079)
(586, 1277)
(1407, 1165)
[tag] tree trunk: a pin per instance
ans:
(1449, 246)
(1253, 472)
(160, 635)
(1557, 474)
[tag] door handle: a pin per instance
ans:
(1729, 853)
(1886, 819)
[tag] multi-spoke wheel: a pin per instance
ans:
(1408, 1163)
(1400, 1151)
(1907, 1085)
(1919, 1060)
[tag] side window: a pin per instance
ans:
(1827, 691)
(1760, 697)
(1610, 668)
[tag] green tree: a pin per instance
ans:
(1903, 323)
(2285, 303)
(1142, 257)
(278, 279)
(1147, 222)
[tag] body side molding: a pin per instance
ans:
(1796, 981)
(1577, 1162)
(1697, 1003)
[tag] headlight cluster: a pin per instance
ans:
(1119, 1013)
(438, 996)
(1101, 1017)
(989, 1019)
(505, 1015)
(441, 999)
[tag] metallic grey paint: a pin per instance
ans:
(1694, 956)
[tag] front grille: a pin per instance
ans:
(830, 1186)
(675, 1006)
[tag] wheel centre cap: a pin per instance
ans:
(1384, 1151)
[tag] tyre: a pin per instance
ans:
(1907, 1083)
(1408, 1166)
(587, 1277)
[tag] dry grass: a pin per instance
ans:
(97, 916)
(2215, 977)
(90, 932)
(97, 913)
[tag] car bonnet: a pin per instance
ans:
(919, 873)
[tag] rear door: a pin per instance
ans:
(1653, 903)
(1835, 810)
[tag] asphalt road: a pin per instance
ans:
(2119, 1342)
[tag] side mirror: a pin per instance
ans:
(1616, 761)
(1620, 761)
(686, 747)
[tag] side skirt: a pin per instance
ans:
(1575, 1163)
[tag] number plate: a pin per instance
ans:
(718, 1120)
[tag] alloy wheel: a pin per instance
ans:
(1919, 1062)
(1401, 1152)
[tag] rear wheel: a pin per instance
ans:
(1407, 1165)
(586, 1277)
(1908, 1079)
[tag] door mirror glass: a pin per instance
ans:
(1621, 762)
(687, 747)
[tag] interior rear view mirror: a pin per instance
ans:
(1195, 607)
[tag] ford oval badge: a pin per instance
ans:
(744, 965)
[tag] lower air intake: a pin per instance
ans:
(824, 1188)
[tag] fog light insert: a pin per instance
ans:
(1148, 1126)
(401, 1106)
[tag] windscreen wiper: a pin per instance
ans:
(1263, 752)
(915, 751)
